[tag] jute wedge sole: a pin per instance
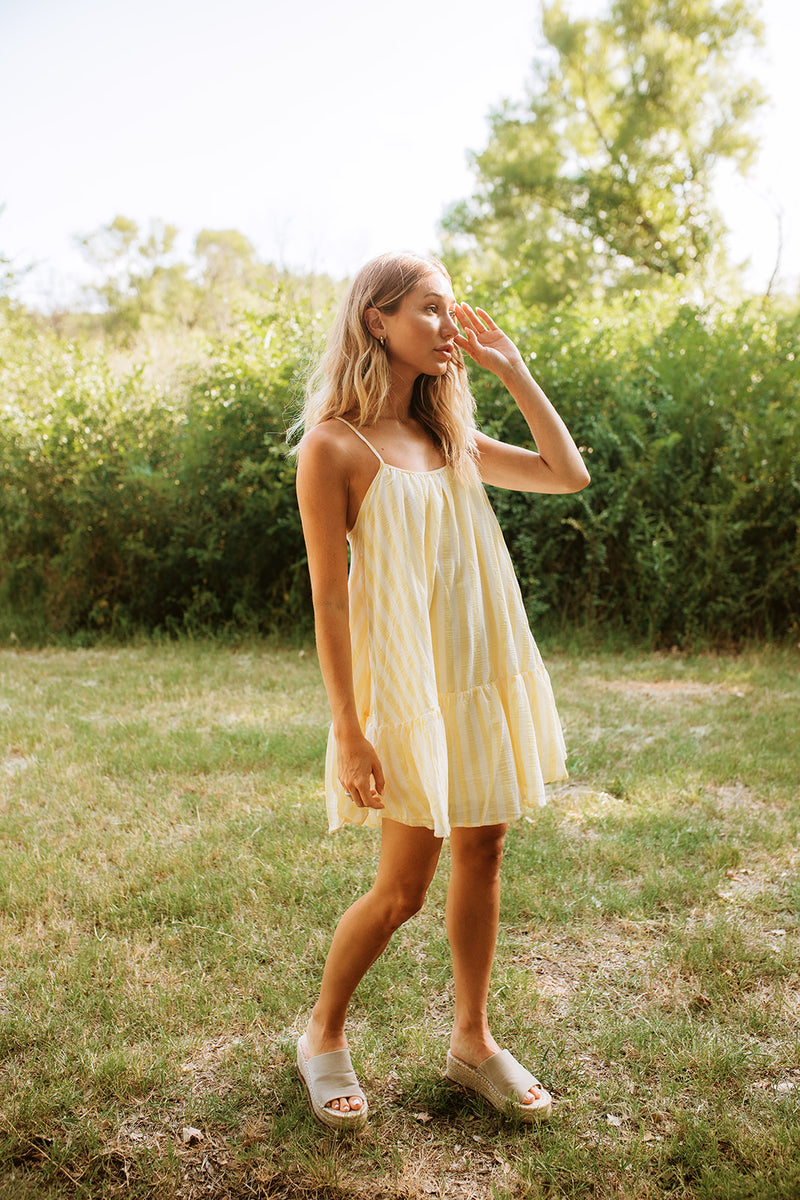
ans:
(502, 1080)
(328, 1077)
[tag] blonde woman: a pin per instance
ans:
(443, 720)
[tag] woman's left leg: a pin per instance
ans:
(473, 913)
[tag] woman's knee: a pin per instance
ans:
(402, 904)
(479, 851)
(407, 865)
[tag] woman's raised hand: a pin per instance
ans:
(485, 342)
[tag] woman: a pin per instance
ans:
(443, 721)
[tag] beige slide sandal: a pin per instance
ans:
(327, 1077)
(502, 1081)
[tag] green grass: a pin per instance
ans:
(168, 891)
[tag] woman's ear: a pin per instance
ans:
(374, 322)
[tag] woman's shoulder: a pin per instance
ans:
(332, 461)
(324, 437)
(333, 441)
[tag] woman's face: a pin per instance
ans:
(419, 335)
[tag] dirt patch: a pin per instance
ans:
(211, 1167)
(736, 798)
(670, 689)
(203, 1067)
(617, 956)
(15, 763)
(469, 1170)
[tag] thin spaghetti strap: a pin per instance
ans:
(366, 441)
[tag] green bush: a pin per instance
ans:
(689, 531)
(127, 505)
(241, 543)
(78, 449)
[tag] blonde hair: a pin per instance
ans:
(354, 377)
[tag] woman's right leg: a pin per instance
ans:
(406, 867)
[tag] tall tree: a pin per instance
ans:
(142, 277)
(230, 274)
(9, 273)
(604, 175)
(227, 258)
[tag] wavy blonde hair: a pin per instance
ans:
(354, 377)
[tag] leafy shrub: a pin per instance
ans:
(74, 442)
(689, 531)
(241, 543)
(130, 506)
(126, 507)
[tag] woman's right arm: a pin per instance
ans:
(323, 472)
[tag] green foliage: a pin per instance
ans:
(127, 504)
(242, 536)
(145, 283)
(604, 176)
(690, 530)
(142, 277)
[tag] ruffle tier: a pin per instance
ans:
(494, 747)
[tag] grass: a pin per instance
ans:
(168, 891)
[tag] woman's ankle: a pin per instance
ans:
(322, 1037)
(472, 1043)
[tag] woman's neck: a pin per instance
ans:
(397, 416)
(397, 405)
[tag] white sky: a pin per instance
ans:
(325, 130)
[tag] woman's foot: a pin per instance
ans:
(505, 1083)
(475, 1049)
(316, 1041)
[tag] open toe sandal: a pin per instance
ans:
(502, 1081)
(327, 1077)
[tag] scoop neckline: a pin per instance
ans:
(381, 460)
(409, 471)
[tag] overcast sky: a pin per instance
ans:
(326, 130)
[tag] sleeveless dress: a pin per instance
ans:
(450, 686)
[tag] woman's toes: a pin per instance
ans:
(345, 1104)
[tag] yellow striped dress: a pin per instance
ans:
(449, 683)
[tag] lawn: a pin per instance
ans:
(168, 890)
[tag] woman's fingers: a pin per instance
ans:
(485, 317)
(467, 318)
(360, 772)
(368, 797)
(364, 785)
(478, 320)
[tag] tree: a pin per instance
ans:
(227, 258)
(604, 176)
(230, 273)
(6, 274)
(142, 276)
(10, 273)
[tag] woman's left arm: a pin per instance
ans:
(558, 466)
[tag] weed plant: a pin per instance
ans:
(168, 891)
